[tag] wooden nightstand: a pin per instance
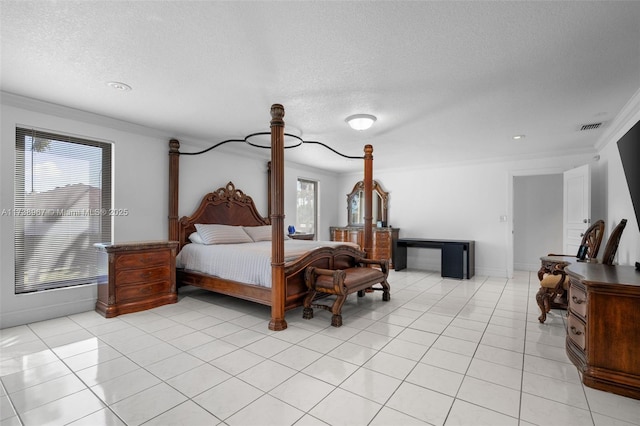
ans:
(136, 276)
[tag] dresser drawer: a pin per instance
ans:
(382, 238)
(576, 330)
(137, 276)
(140, 275)
(578, 299)
(143, 259)
(381, 253)
(142, 291)
(339, 235)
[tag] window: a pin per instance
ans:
(307, 206)
(62, 206)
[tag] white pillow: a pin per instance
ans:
(222, 234)
(259, 233)
(195, 238)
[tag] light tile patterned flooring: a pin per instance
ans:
(441, 352)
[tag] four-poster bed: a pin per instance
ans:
(230, 206)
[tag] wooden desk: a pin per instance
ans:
(603, 326)
(456, 255)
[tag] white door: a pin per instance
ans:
(576, 207)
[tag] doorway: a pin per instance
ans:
(537, 219)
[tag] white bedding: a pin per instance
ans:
(248, 263)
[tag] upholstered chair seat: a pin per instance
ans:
(552, 281)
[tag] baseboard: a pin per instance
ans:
(27, 316)
(531, 267)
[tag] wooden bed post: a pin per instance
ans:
(368, 194)
(278, 283)
(269, 189)
(174, 178)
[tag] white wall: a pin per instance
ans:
(616, 191)
(458, 202)
(466, 201)
(207, 172)
(140, 185)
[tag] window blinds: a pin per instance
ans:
(62, 206)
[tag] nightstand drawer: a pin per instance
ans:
(143, 260)
(138, 276)
(141, 291)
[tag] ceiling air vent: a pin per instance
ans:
(591, 126)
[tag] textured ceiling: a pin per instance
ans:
(450, 82)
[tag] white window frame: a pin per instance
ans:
(316, 202)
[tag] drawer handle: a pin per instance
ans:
(575, 331)
(577, 301)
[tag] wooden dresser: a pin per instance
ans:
(603, 326)
(136, 276)
(383, 239)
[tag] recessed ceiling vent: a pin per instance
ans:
(591, 126)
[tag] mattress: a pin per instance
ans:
(248, 262)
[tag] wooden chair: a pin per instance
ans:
(553, 284)
(612, 243)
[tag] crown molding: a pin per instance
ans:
(36, 105)
(627, 116)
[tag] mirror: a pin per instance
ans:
(355, 205)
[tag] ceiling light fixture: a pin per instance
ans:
(360, 121)
(123, 87)
(518, 137)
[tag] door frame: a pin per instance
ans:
(509, 235)
(572, 231)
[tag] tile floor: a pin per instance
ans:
(441, 352)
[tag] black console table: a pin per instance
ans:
(456, 254)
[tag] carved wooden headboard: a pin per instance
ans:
(225, 206)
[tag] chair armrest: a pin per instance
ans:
(334, 285)
(382, 263)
